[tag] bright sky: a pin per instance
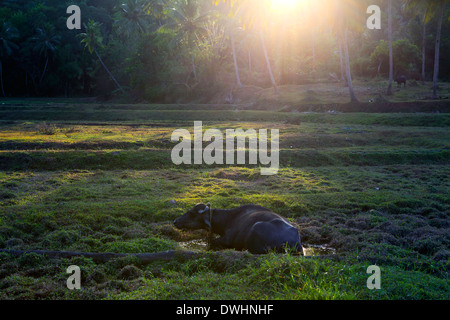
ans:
(284, 5)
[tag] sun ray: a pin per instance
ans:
(284, 5)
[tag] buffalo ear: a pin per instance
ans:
(203, 211)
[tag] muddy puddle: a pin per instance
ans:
(194, 245)
(317, 250)
(308, 249)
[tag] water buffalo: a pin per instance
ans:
(400, 80)
(250, 227)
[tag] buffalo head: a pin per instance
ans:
(196, 218)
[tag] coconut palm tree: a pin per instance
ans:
(341, 59)
(430, 8)
(247, 42)
(231, 29)
(236, 67)
(188, 22)
(440, 6)
(155, 8)
(92, 39)
(7, 34)
(269, 68)
(46, 43)
(348, 73)
(391, 58)
(253, 14)
(422, 9)
(133, 18)
(214, 46)
(347, 14)
(346, 17)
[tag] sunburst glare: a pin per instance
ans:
(284, 5)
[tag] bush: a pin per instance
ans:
(130, 272)
(31, 260)
(47, 129)
(154, 94)
(406, 57)
(60, 239)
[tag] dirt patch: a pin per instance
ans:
(85, 145)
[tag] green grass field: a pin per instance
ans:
(370, 188)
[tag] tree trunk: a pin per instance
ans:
(194, 70)
(33, 82)
(190, 44)
(391, 58)
(436, 50)
(282, 50)
(313, 51)
(236, 67)
(342, 59)
(43, 73)
(1, 78)
(424, 42)
(26, 84)
(249, 61)
(347, 67)
(109, 73)
(268, 63)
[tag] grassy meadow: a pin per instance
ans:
(364, 188)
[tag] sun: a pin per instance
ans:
(286, 2)
(284, 5)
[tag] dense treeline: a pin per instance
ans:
(166, 50)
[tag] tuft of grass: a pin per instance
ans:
(140, 246)
(47, 129)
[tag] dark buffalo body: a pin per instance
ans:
(400, 80)
(250, 227)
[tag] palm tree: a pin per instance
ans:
(269, 68)
(429, 8)
(421, 8)
(46, 42)
(341, 59)
(133, 19)
(440, 4)
(348, 73)
(213, 42)
(253, 14)
(236, 67)
(155, 8)
(7, 34)
(231, 30)
(345, 13)
(248, 42)
(312, 16)
(92, 39)
(391, 58)
(188, 23)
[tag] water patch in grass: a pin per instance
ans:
(308, 250)
(317, 250)
(194, 245)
